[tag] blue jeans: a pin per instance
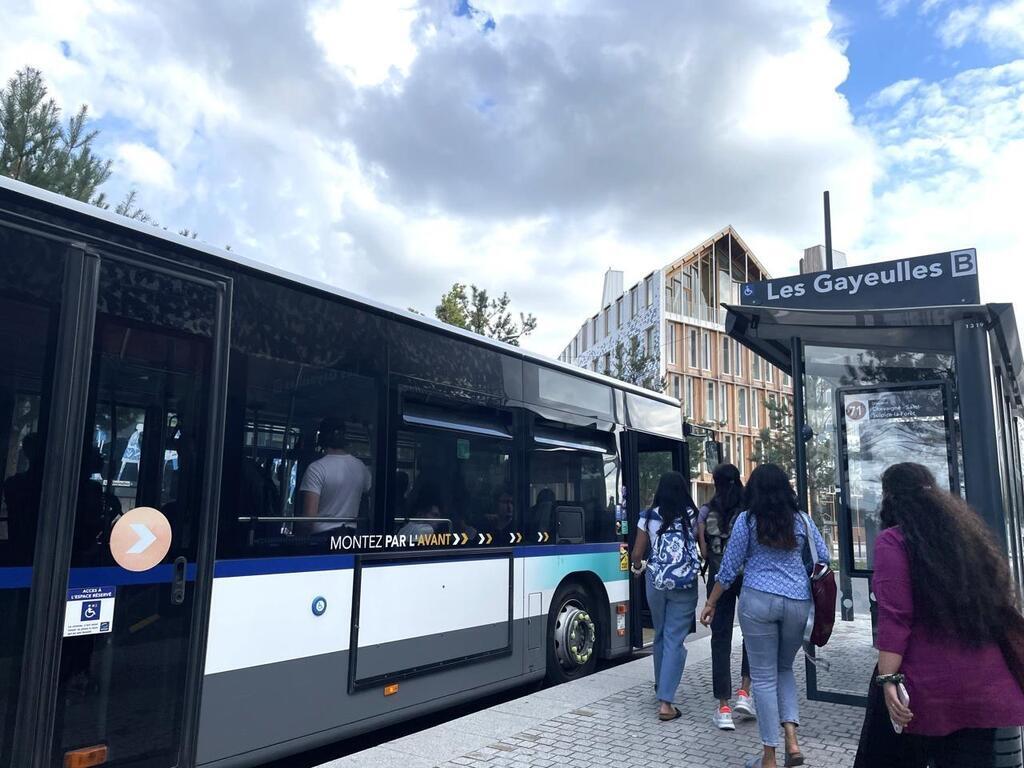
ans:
(773, 629)
(672, 611)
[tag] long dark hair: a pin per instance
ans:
(960, 580)
(771, 501)
(728, 493)
(672, 500)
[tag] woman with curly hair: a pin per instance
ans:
(767, 541)
(944, 592)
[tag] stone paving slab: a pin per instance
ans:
(609, 719)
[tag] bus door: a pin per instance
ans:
(650, 457)
(128, 616)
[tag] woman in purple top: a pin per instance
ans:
(943, 589)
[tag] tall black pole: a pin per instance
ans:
(828, 234)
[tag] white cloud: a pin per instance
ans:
(393, 149)
(954, 156)
(893, 94)
(1000, 25)
(144, 166)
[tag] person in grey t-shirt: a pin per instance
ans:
(334, 484)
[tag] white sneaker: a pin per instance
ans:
(745, 704)
(723, 719)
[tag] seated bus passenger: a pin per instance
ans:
(333, 485)
(542, 514)
(424, 508)
(500, 519)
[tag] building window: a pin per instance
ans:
(707, 351)
(787, 381)
(742, 407)
(727, 450)
(724, 402)
(606, 365)
(740, 354)
(726, 354)
(758, 456)
(670, 342)
(693, 348)
(632, 301)
(769, 373)
(649, 289)
(755, 367)
(755, 409)
(618, 312)
(709, 406)
(676, 387)
(739, 455)
(688, 397)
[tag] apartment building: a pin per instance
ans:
(675, 313)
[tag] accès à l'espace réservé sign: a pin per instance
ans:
(940, 279)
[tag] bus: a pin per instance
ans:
(178, 584)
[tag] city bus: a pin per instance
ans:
(245, 514)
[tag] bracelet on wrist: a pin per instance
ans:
(896, 678)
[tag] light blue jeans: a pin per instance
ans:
(773, 629)
(673, 611)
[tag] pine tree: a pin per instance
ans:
(476, 311)
(38, 148)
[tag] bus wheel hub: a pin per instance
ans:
(575, 636)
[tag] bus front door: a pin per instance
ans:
(128, 618)
(654, 455)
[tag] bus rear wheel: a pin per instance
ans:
(573, 639)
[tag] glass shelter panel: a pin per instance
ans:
(868, 409)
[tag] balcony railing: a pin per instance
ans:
(680, 305)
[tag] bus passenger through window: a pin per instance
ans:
(453, 474)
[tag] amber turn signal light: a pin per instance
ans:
(391, 690)
(86, 757)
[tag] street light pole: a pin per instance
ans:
(828, 234)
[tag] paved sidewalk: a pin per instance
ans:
(609, 719)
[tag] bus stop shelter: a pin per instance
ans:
(896, 361)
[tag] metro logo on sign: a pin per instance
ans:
(941, 279)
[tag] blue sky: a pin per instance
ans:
(885, 47)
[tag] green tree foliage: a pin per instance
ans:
(634, 365)
(475, 310)
(777, 436)
(39, 148)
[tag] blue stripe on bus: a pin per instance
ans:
(20, 578)
(15, 578)
(268, 565)
(310, 563)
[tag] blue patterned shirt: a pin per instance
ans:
(776, 571)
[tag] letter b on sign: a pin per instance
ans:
(963, 263)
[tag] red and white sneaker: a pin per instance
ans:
(745, 704)
(723, 719)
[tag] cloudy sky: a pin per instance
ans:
(392, 148)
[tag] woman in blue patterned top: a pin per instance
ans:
(672, 608)
(768, 541)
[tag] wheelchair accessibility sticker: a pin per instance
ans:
(89, 611)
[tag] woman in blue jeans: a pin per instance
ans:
(768, 542)
(672, 610)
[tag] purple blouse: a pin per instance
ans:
(951, 685)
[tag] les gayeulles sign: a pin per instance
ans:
(941, 279)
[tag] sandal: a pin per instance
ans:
(794, 759)
(666, 718)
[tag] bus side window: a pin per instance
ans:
(573, 473)
(301, 439)
(453, 474)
